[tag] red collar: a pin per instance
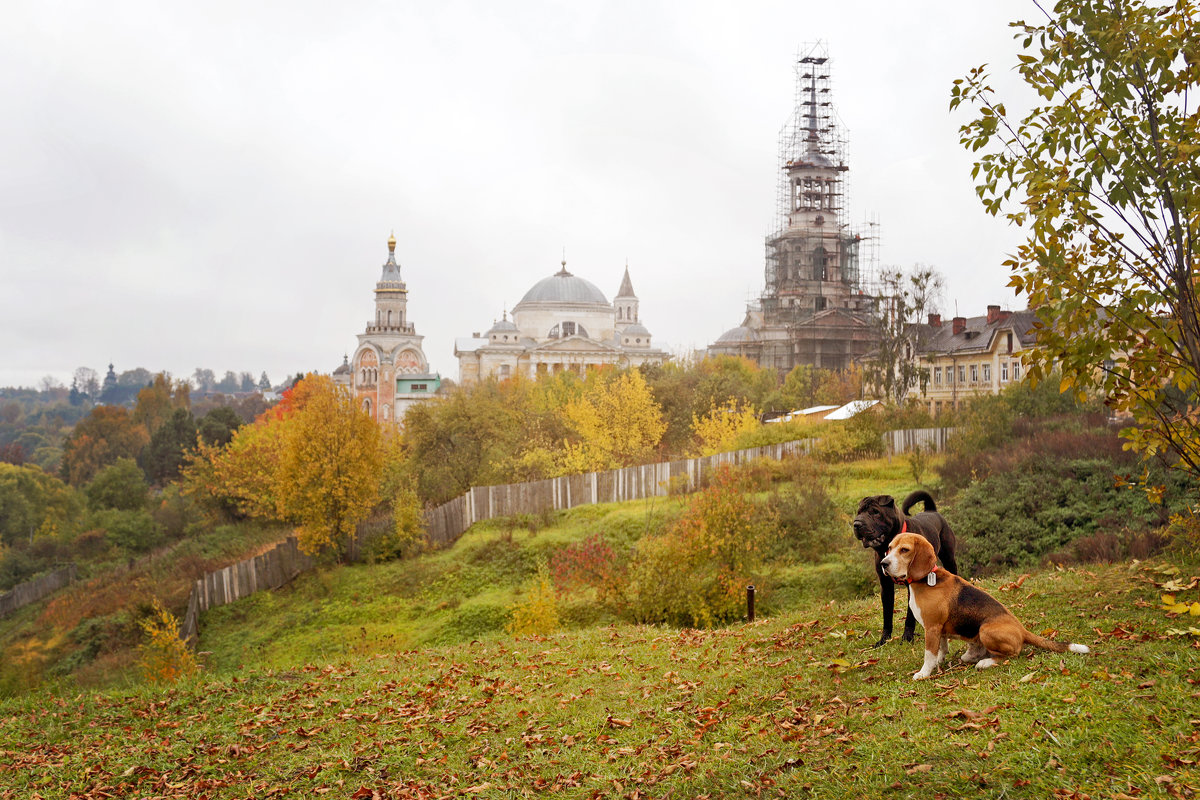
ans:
(904, 526)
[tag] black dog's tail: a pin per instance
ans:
(919, 496)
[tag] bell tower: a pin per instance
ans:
(391, 297)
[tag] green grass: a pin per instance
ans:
(793, 705)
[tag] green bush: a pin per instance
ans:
(861, 436)
(120, 486)
(132, 531)
(1015, 518)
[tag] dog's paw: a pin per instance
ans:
(884, 640)
(908, 636)
(922, 675)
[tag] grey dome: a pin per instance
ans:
(737, 335)
(637, 329)
(503, 326)
(811, 159)
(563, 287)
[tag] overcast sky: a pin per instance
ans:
(213, 184)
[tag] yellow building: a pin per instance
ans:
(972, 355)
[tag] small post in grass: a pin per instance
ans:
(750, 603)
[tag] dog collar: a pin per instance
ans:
(930, 579)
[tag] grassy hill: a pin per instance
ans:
(397, 680)
(797, 704)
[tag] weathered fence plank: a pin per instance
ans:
(31, 591)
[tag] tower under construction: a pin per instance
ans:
(813, 309)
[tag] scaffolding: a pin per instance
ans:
(814, 127)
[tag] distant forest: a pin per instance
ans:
(34, 422)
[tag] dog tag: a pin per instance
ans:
(931, 579)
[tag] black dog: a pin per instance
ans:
(877, 522)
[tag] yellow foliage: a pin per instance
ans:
(164, 657)
(537, 612)
(331, 464)
(718, 429)
(616, 423)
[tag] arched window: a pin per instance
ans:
(820, 262)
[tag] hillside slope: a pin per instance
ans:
(792, 705)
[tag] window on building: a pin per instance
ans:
(962, 374)
(820, 264)
(819, 304)
(505, 370)
(419, 387)
(974, 373)
(1004, 372)
(1009, 341)
(937, 376)
(987, 373)
(568, 329)
(1016, 370)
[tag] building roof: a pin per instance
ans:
(626, 289)
(563, 287)
(503, 326)
(737, 335)
(977, 333)
(637, 329)
(851, 409)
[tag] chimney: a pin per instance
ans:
(993, 314)
(935, 320)
(960, 325)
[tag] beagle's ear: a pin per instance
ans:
(923, 560)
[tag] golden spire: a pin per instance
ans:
(392, 242)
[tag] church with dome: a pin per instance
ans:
(564, 322)
(388, 372)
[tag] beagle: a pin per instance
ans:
(949, 607)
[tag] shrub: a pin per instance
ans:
(591, 564)
(809, 521)
(164, 658)
(132, 531)
(1044, 504)
(536, 613)
(696, 572)
(861, 436)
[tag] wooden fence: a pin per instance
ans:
(445, 523)
(269, 570)
(31, 591)
(934, 439)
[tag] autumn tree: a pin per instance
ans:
(156, 402)
(332, 461)
(239, 479)
(718, 429)
(34, 503)
(615, 422)
(99, 439)
(460, 440)
(1101, 176)
(696, 572)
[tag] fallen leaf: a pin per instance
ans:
(919, 768)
